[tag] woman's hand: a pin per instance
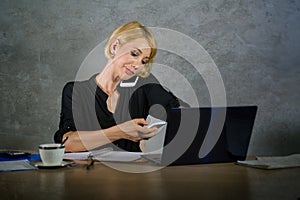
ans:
(131, 130)
(134, 130)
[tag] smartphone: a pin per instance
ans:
(157, 124)
(130, 82)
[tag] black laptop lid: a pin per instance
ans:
(208, 135)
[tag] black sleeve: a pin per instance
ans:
(66, 123)
(144, 100)
(156, 94)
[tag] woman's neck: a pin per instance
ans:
(107, 80)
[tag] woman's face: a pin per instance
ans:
(131, 57)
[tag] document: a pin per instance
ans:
(109, 155)
(17, 165)
(273, 162)
(77, 156)
(119, 156)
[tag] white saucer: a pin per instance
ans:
(42, 166)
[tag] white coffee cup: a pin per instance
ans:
(51, 154)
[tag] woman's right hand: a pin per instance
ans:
(134, 130)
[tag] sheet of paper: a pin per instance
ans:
(17, 165)
(77, 156)
(114, 156)
(119, 156)
(273, 162)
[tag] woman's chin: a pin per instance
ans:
(126, 77)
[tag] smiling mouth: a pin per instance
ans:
(128, 71)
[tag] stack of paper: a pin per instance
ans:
(114, 156)
(273, 162)
(17, 165)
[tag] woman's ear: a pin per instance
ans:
(113, 47)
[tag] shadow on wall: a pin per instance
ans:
(275, 142)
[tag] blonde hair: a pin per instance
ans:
(131, 31)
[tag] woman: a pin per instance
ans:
(98, 112)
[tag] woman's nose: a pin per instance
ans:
(137, 64)
(136, 67)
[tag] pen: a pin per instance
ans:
(95, 154)
(89, 166)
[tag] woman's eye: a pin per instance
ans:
(134, 54)
(145, 61)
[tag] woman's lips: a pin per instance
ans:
(128, 71)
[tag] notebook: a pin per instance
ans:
(204, 135)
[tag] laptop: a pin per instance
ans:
(205, 135)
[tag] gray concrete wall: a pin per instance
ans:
(254, 44)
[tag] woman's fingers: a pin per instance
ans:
(142, 134)
(136, 131)
(140, 121)
(147, 132)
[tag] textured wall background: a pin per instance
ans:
(255, 44)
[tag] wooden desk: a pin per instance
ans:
(213, 181)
